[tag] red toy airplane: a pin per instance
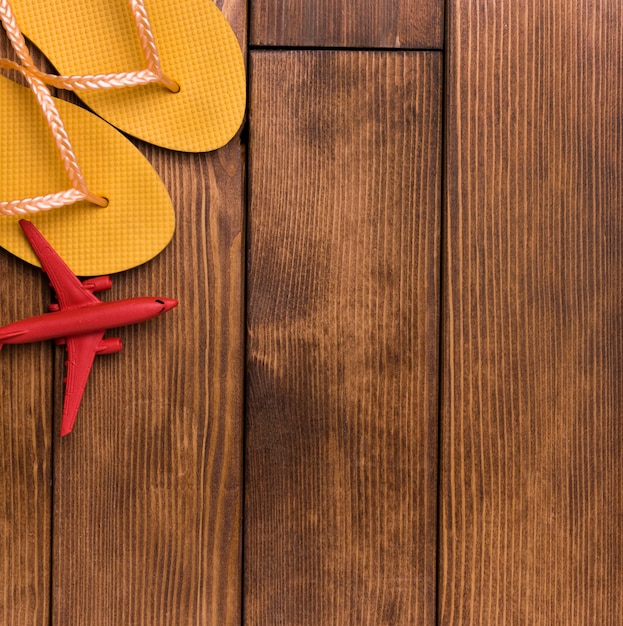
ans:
(79, 320)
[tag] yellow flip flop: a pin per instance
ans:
(197, 49)
(135, 226)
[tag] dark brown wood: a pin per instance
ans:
(340, 518)
(145, 525)
(531, 502)
(352, 24)
(148, 487)
(26, 410)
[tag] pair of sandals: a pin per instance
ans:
(168, 72)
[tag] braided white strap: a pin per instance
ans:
(92, 82)
(79, 190)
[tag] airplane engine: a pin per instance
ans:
(99, 283)
(109, 345)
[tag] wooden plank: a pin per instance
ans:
(148, 488)
(531, 502)
(341, 443)
(352, 24)
(26, 409)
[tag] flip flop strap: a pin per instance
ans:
(79, 190)
(92, 82)
(148, 44)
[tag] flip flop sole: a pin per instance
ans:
(197, 49)
(135, 226)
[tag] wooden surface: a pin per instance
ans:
(531, 505)
(142, 524)
(343, 261)
(26, 398)
(363, 267)
(147, 499)
(350, 23)
(26, 404)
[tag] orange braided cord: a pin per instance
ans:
(79, 190)
(14, 34)
(92, 82)
(148, 43)
(41, 203)
(98, 81)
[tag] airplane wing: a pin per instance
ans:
(81, 350)
(70, 292)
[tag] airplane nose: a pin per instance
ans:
(169, 303)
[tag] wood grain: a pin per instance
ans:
(343, 257)
(26, 407)
(148, 487)
(351, 24)
(26, 410)
(531, 503)
(145, 525)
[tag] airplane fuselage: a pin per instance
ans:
(84, 320)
